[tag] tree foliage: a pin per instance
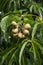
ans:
(21, 51)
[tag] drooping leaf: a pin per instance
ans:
(39, 46)
(21, 52)
(34, 30)
(37, 59)
(13, 57)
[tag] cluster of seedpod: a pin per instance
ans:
(19, 31)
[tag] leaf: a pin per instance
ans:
(41, 33)
(15, 52)
(37, 59)
(34, 30)
(6, 53)
(34, 51)
(40, 13)
(4, 57)
(24, 59)
(3, 24)
(39, 46)
(13, 57)
(31, 8)
(6, 21)
(21, 51)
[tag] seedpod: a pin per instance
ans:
(15, 30)
(27, 26)
(23, 36)
(14, 23)
(15, 34)
(20, 35)
(26, 32)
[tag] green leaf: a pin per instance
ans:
(31, 8)
(21, 51)
(24, 59)
(6, 50)
(13, 57)
(5, 56)
(16, 52)
(40, 13)
(37, 59)
(39, 45)
(6, 53)
(3, 24)
(34, 30)
(6, 21)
